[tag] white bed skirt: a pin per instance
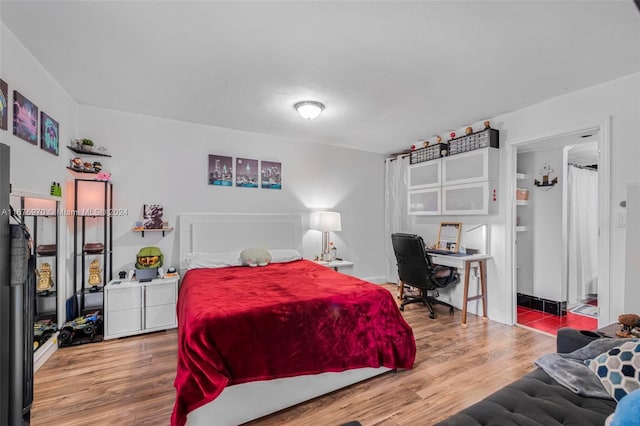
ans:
(249, 401)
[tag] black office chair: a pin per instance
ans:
(416, 270)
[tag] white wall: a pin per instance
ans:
(158, 161)
(618, 99)
(33, 169)
(540, 253)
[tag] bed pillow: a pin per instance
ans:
(627, 410)
(255, 257)
(619, 369)
(284, 255)
(213, 260)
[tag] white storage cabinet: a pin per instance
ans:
(134, 308)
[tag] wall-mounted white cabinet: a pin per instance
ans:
(425, 175)
(461, 184)
(425, 201)
(470, 198)
(473, 166)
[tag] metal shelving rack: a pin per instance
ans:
(93, 213)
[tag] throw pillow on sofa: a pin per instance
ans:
(627, 410)
(619, 369)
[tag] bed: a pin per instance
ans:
(252, 341)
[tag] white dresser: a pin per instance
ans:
(132, 307)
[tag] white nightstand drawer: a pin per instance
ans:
(123, 298)
(160, 316)
(124, 321)
(160, 294)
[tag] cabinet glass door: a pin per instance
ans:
(425, 175)
(424, 201)
(473, 198)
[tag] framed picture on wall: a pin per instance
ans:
(49, 135)
(4, 104)
(25, 118)
(246, 173)
(152, 216)
(449, 236)
(271, 175)
(220, 170)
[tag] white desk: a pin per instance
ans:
(465, 262)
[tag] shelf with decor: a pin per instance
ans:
(92, 260)
(39, 213)
(143, 230)
(87, 152)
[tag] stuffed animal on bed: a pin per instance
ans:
(255, 257)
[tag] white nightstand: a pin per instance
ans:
(336, 264)
(132, 307)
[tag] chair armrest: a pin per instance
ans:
(571, 339)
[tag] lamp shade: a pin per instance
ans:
(309, 109)
(326, 221)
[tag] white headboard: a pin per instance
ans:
(213, 232)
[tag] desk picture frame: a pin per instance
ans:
(449, 236)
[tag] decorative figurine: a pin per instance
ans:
(94, 275)
(44, 278)
(76, 163)
(628, 323)
(438, 139)
(104, 176)
(487, 124)
(468, 130)
(425, 144)
(413, 147)
(452, 134)
(97, 166)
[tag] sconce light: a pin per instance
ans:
(309, 109)
(545, 171)
(326, 222)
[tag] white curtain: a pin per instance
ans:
(583, 233)
(396, 218)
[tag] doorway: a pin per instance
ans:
(560, 277)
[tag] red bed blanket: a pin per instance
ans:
(242, 324)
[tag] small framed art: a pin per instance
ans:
(49, 135)
(220, 170)
(246, 173)
(271, 175)
(4, 104)
(25, 118)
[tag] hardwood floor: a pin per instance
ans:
(130, 381)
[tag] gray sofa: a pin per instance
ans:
(538, 400)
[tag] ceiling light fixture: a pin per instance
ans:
(309, 109)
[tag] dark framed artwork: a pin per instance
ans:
(246, 173)
(220, 170)
(4, 104)
(49, 133)
(25, 118)
(271, 175)
(152, 216)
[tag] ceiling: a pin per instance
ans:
(390, 73)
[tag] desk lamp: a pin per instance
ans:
(326, 222)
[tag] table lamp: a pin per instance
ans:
(326, 222)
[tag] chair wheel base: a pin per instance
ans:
(432, 315)
(451, 311)
(401, 308)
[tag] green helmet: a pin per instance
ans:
(149, 257)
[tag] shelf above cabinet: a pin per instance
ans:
(83, 152)
(142, 231)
